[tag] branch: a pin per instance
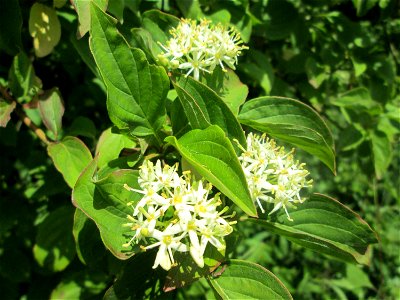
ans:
(23, 117)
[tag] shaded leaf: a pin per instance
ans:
(229, 87)
(382, 152)
(89, 246)
(80, 285)
(51, 108)
(45, 29)
(22, 79)
(55, 248)
(82, 126)
(6, 109)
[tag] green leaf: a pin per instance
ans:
(228, 86)
(6, 109)
(187, 271)
(55, 248)
(82, 47)
(82, 8)
(10, 24)
(382, 152)
(155, 28)
(136, 90)
(22, 79)
(82, 126)
(158, 24)
(104, 201)
(80, 285)
(70, 156)
(260, 70)
(190, 9)
(45, 29)
(131, 284)
(293, 122)
(363, 6)
(110, 145)
(325, 225)
(116, 7)
(203, 107)
(246, 280)
(51, 108)
(89, 246)
(213, 156)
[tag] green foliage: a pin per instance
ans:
(213, 156)
(293, 122)
(85, 99)
(246, 280)
(325, 225)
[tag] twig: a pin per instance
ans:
(23, 117)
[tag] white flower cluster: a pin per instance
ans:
(201, 47)
(272, 175)
(176, 214)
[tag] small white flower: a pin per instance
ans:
(272, 174)
(167, 243)
(176, 213)
(198, 48)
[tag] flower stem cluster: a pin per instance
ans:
(176, 213)
(201, 47)
(272, 174)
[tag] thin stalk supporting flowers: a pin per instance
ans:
(201, 47)
(176, 214)
(272, 174)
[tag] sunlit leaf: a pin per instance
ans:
(211, 153)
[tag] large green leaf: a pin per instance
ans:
(51, 108)
(54, 248)
(70, 156)
(246, 280)
(293, 122)
(325, 225)
(136, 90)
(104, 201)
(203, 107)
(213, 156)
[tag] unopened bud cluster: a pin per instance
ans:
(272, 174)
(176, 213)
(201, 47)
